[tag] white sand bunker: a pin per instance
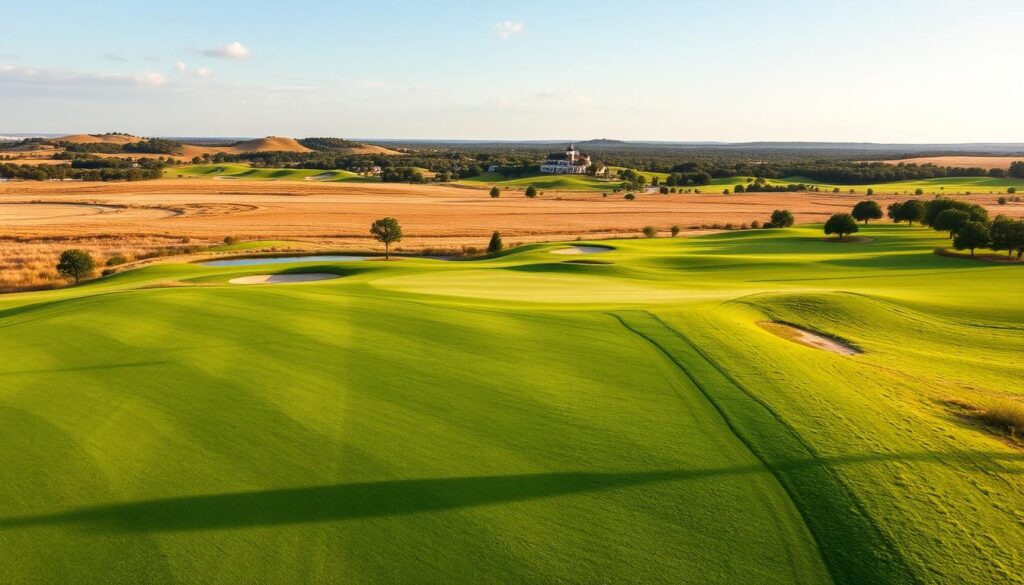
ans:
(574, 250)
(283, 278)
(810, 338)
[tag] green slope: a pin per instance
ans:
(519, 419)
(242, 171)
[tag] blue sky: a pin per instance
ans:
(893, 71)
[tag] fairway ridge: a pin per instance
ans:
(853, 547)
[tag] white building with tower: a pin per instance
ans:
(571, 162)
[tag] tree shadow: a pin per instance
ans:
(413, 496)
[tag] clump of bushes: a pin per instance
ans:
(116, 260)
(1002, 415)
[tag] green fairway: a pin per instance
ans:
(529, 418)
(241, 171)
(552, 182)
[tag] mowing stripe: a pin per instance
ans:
(855, 550)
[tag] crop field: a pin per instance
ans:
(38, 219)
(626, 415)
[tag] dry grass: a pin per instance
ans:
(31, 264)
(1004, 416)
(985, 162)
(135, 217)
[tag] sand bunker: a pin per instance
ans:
(573, 250)
(810, 338)
(283, 278)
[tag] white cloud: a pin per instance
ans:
(55, 78)
(509, 28)
(203, 72)
(235, 50)
(180, 67)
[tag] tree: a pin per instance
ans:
(973, 234)
(1017, 169)
(387, 231)
(894, 212)
(739, 189)
(75, 264)
(531, 191)
(870, 193)
(663, 190)
(841, 224)
(919, 191)
(911, 211)
(675, 230)
(933, 208)
(1007, 234)
(951, 220)
(782, 218)
(495, 192)
(867, 210)
(495, 245)
(1011, 190)
(650, 231)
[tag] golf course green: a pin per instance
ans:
(626, 414)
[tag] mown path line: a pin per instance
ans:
(854, 548)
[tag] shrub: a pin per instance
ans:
(116, 260)
(755, 224)
(675, 230)
(531, 191)
(1011, 190)
(495, 192)
(919, 191)
(782, 218)
(739, 189)
(1001, 201)
(650, 231)
(495, 245)
(630, 196)
(663, 190)
(871, 192)
(230, 240)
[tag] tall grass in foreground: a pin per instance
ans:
(1002, 415)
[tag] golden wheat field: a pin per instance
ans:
(39, 219)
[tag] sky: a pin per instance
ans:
(721, 70)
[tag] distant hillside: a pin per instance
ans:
(100, 139)
(269, 144)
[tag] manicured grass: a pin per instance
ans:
(550, 182)
(241, 171)
(527, 418)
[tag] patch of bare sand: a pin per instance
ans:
(810, 338)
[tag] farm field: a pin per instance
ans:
(39, 219)
(623, 416)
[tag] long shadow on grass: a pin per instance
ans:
(405, 497)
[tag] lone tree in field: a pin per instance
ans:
(782, 218)
(387, 231)
(495, 245)
(951, 220)
(675, 230)
(75, 264)
(841, 224)
(972, 235)
(650, 231)
(867, 210)
(495, 192)
(531, 191)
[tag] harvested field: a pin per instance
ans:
(984, 162)
(436, 219)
